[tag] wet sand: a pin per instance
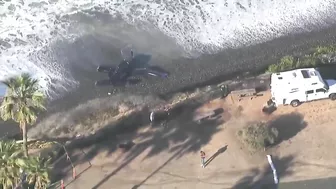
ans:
(187, 73)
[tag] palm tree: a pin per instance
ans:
(17, 170)
(22, 103)
(10, 153)
(37, 170)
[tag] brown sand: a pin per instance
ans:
(306, 153)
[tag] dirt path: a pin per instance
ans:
(168, 157)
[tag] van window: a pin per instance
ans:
(310, 92)
(313, 73)
(305, 74)
(320, 90)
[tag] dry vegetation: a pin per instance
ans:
(101, 115)
(302, 152)
(89, 117)
(259, 135)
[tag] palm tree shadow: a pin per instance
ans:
(288, 125)
(181, 129)
(219, 151)
(263, 178)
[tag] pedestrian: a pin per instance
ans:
(202, 158)
(225, 91)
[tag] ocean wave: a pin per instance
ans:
(29, 28)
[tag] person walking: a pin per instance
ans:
(202, 159)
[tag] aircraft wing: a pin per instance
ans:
(151, 72)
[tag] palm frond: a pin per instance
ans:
(23, 99)
(22, 103)
(38, 100)
(37, 171)
(7, 111)
(10, 152)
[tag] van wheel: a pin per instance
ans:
(332, 96)
(295, 103)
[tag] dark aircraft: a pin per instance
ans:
(127, 70)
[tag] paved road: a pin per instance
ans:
(329, 183)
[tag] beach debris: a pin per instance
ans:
(125, 146)
(200, 117)
(224, 90)
(203, 116)
(275, 176)
(159, 116)
(269, 107)
(244, 92)
(109, 93)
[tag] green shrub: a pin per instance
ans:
(286, 63)
(258, 135)
(314, 59)
(306, 61)
(320, 50)
(273, 68)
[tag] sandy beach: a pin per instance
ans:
(164, 156)
(184, 73)
(201, 44)
(167, 156)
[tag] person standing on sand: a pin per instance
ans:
(202, 158)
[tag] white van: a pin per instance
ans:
(301, 85)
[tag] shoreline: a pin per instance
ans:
(203, 71)
(206, 94)
(73, 122)
(146, 104)
(188, 74)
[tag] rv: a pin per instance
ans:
(300, 85)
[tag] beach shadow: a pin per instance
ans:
(263, 178)
(84, 149)
(157, 170)
(219, 151)
(218, 111)
(141, 60)
(107, 82)
(288, 125)
(181, 129)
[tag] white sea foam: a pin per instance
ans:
(30, 26)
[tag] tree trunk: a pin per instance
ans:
(24, 137)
